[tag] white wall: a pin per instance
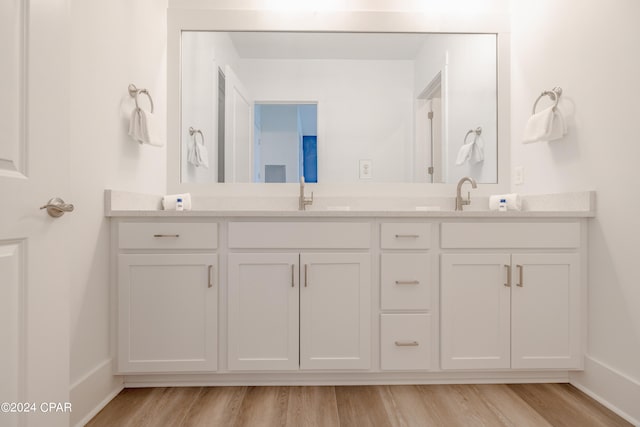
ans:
(593, 57)
(202, 54)
(113, 43)
(470, 97)
(352, 122)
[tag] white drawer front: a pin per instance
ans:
(510, 235)
(405, 281)
(405, 236)
(300, 235)
(405, 342)
(167, 235)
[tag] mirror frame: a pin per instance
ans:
(179, 20)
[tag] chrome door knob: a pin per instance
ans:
(56, 207)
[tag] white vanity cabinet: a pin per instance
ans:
(311, 305)
(167, 294)
(518, 310)
(406, 287)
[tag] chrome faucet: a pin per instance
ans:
(459, 201)
(302, 200)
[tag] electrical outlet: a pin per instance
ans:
(518, 175)
(365, 169)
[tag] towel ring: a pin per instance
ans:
(477, 131)
(193, 131)
(553, 94)
(134, 92)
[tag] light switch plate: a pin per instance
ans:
(365, 169)
(518, 175)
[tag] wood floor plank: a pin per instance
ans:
(407, 407)
(168, 404)
(215, 406)
(455, 406)
(361, 406)
(121, 408)
(508, 406)
(263, 407)
(561, 406)
(312, 407)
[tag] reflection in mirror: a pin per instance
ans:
(392, 107)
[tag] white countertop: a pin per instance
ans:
(569, 205)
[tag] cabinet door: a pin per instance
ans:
(545, 311)
(167, 312)
(335, 311)
(263, 311)
(475, 311)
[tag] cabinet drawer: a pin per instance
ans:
(405, 342)
(300, 235)
(167, 235)
(405, 236)
(405, 281)
(492, 235)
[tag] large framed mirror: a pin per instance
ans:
(264, 102)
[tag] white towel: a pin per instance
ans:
(197, 153)
(547, 125)
(143, 127)
(472, 151)
(169, 201)
(514, 201)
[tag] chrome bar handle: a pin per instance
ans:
(520, 275)
(166, 235)
(407, 282)
(210, 281)
(305, 275)
(508, 284)
(409, 236)
(407, 343)
(292, 278)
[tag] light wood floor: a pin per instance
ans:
(518, 405)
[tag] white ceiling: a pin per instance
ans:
(281, 45)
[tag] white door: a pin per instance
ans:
(238, 129)
(263, 311)
(475, 311)
(167, 312)
(335, 311)
(34, 167)
(545, 311)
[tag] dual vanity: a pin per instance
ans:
(346, 297)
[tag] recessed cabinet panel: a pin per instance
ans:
(405, 342)
(475, 311)
(167, 312)
(263, 311)
(168, 235)
(405, 235)
(335, 307)
(545, 311)
(405, 281)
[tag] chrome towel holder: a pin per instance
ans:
(554, 94)
(134, 92)
(477, 131)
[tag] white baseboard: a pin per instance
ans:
(344, 378)
(611, 388)
(92, 392)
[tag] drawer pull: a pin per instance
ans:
(210, 282)
(520, 268)
(407, 282)
(407, 343)
(508, 267)
(166, 235)
(407, 236)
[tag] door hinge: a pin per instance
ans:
(430, 115)
(430, 170)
